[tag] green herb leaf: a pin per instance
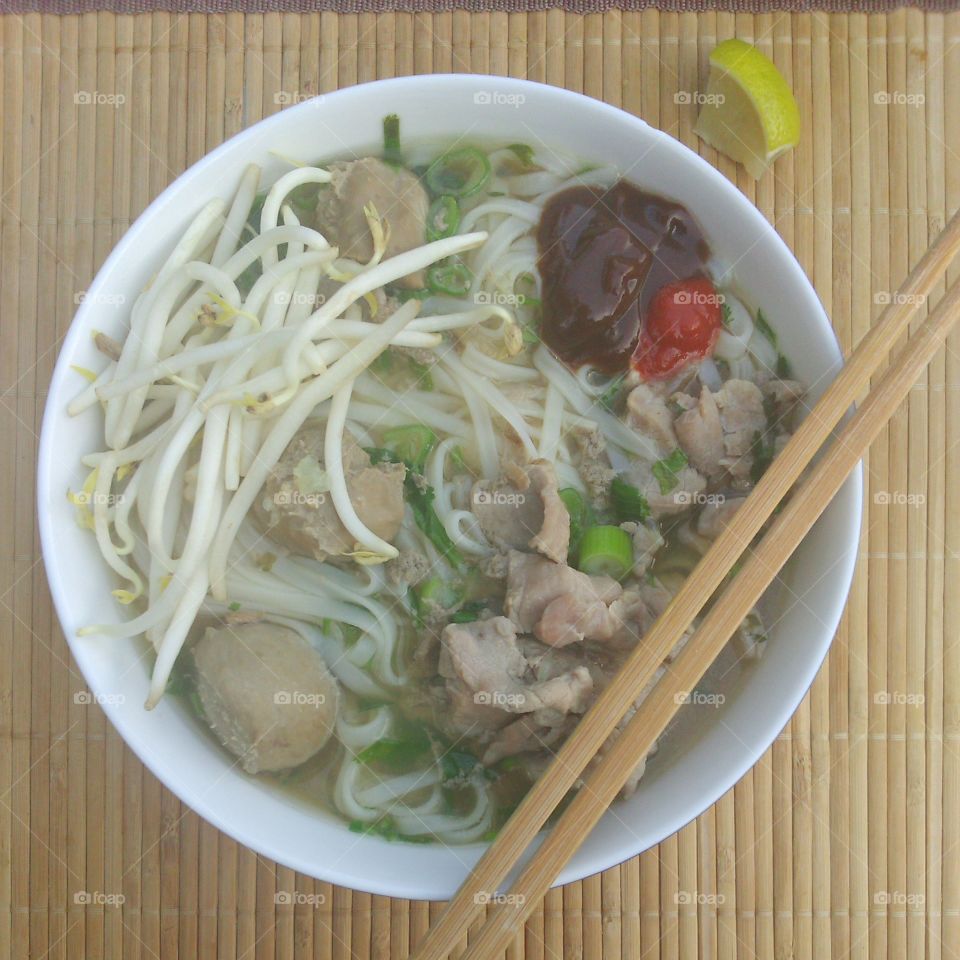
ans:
(469, 612)
(398, 752)
(411, 444)
(761, 450)
(667, 470)
(457, 764)
(580, 518)
(628, 502)
(610, 397)
(765, 328)
(386, 828)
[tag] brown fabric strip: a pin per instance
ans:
(378, 6)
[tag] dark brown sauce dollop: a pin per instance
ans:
(603, 254)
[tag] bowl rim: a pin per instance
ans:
(423, 887)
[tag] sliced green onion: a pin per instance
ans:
(459, 173)
(628, 502)
(443, 218)
(411, 444)
(666, 471)
(606, 550)
(391, 141)
(453, 279)
(784, 372)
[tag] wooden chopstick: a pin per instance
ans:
(765, 561)
(600, 721)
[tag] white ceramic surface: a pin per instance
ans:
(713, 748)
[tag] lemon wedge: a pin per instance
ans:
(748, 113)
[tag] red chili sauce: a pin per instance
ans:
(624, 281)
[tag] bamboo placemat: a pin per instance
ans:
(843, 841)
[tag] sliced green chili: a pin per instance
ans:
(443, 218)
(459, 173)
(453, 279)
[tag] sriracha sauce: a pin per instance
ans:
(682, 324)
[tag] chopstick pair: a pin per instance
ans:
(766, 559)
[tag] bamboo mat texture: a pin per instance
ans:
(843, 840)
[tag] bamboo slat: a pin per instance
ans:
(842, 841)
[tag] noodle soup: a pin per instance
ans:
(404, 455)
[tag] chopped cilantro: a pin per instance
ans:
(457, 764)
(762, 452)
(765, 328)
(666, 471)
(386, 828)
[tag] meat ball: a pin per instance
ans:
(305, 520)
(396, 194)
(267, 694)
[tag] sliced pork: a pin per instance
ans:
(524, 510)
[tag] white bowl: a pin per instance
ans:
(712, 748)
